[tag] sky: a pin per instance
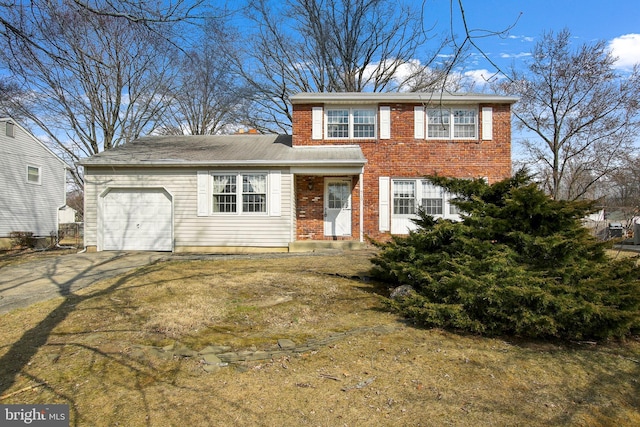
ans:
(617, 22)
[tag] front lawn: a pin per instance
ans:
(93, 351)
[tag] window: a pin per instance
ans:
(438, 124)
(9, 129)
(33, 174)
(338, 123)
(464, 124)
(404, 197)
(409, 194)
(254, 193)
(364, 124)
(431, 200)
(440, 120)
(226, 193)
(356, 123)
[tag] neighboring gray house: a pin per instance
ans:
(231, 193)
(32, 183)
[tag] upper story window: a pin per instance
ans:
(452, 123)
(350, 123)
(9, 129)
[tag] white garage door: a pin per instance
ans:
(136, 219)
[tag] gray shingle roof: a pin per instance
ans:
(225, 150)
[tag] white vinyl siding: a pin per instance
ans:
(25, 206)
(190, 229)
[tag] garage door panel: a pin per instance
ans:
(137, 219)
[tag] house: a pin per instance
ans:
(353, 168)
(32, 184)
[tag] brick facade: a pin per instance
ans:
(401, 156)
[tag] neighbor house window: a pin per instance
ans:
(351, 123)
(9, 129)
(33, 174)
(452, 123)
(239, 193)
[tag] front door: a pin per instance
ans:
(337, 207)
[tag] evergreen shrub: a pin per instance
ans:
(518, 263)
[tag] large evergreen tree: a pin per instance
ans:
(518, 263)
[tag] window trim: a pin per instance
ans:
(452, 123)
(351, 125)
(239, 193)
(39, 169)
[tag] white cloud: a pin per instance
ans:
(515, 55)
(521, 38)
(627, 49)
(479, 80)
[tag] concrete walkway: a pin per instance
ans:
(39, 280)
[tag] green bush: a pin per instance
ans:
(519, 263)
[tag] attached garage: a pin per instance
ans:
(138, 219)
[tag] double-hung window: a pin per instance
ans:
(239, 193)
(33, 174)
(452, 123)
(411, 194)
(404, 197)
(254, 193)
(224, 192)
(431, 199)
(351, 123)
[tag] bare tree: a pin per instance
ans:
(581, 113)
(328, 46)
(146, 13)
(207, 98)
(95, 81)
(621, 188)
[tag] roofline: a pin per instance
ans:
(399, 97)
(36, 139)
(235, 163)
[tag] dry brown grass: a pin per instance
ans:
(406, 376)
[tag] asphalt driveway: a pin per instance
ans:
(39, 280)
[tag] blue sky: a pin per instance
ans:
(616, 22)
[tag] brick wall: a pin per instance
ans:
(402, 156)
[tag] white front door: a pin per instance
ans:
(337, 207)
